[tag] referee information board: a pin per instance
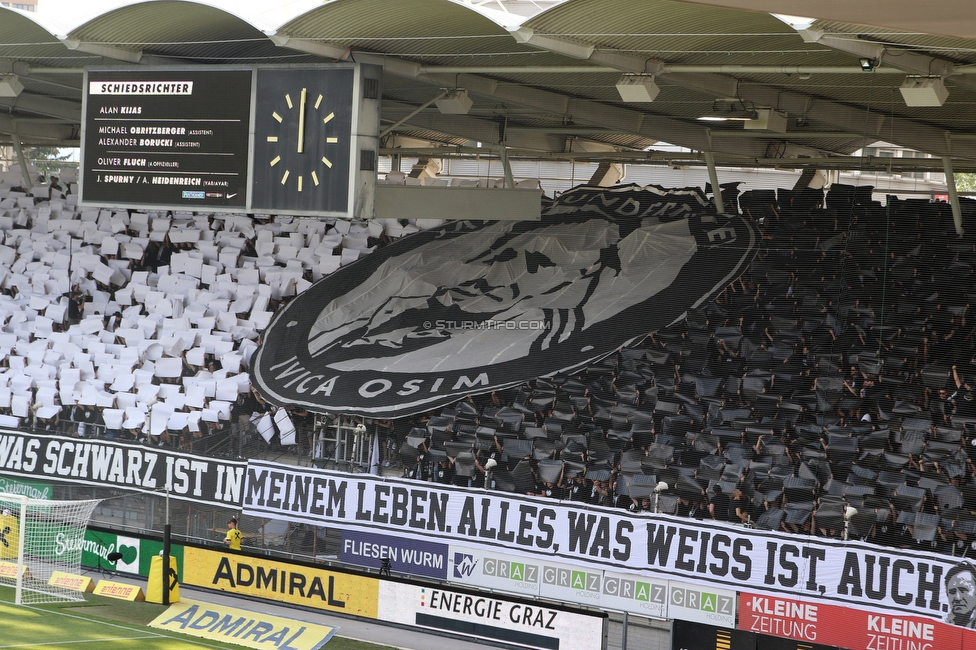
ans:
(183, 139)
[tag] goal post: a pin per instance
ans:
(37, 538)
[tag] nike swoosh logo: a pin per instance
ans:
(230, 196)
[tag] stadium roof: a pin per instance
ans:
(543, 75)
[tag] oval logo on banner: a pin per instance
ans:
(474, 306)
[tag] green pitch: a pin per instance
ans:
(104, 623)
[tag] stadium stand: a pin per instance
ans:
(836, 373)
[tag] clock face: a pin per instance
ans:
(302, 133)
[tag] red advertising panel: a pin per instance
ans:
(844, 627)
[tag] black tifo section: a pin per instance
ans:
(838, 370)
(488, 631)
(686, 635)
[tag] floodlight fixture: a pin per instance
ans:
(637, 88)
(923, 91)
(724, 110)
(454, 102)
(767, 120)
(10, 85)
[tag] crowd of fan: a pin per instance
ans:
(139, 326)
(828, 391)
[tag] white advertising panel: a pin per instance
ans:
(515, 623)
(701, 604)
(629, 592)
(607, 590)
(511, 574)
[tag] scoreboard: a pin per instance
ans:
(168, 138)
(230, 139)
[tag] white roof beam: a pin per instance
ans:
(36, 129)
(103, 50)
(483, 131)
(392, 65)
(49, 106)
(900, 58)
(713, 84)
(841, 115)
(948, 17)
(910, 133)
(871, 124)
(655, 127)
(594, 113)
(461, 126)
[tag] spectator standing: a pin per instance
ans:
(234, 535)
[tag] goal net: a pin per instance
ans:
(37, 538)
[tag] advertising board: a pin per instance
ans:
(174, 137)
(283, 582)
(242, 627)
(687, 635)
(846, 627)
(406, 555)
(137, 552)
(29, 489)
(489, 617)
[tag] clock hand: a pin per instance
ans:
(301, 123)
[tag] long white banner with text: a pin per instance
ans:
(706, 553)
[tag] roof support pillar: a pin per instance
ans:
(953, 197)
(393, 126)
(28, 181)
(606, 174)
(507, 166)
(713, 179)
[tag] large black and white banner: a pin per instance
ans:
(697, 552)
(122, 466)
(474, 306)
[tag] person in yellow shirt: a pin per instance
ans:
(234, 535)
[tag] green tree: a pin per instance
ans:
(965, 182)
(46, 159)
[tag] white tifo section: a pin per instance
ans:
(32, 532)
(215, 296)
(497, 619)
